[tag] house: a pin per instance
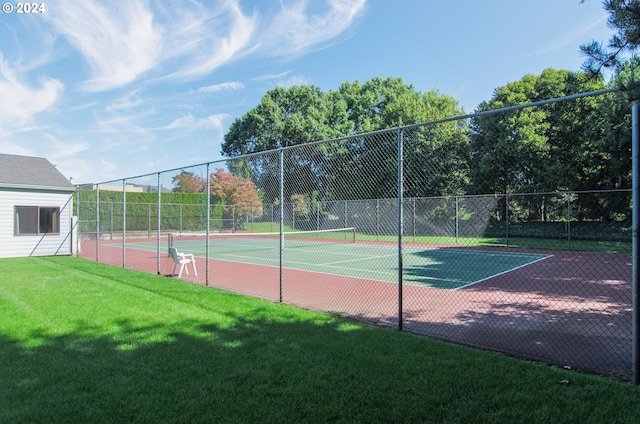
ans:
(36, 208)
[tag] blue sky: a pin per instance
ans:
(113, 89)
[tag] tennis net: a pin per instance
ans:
(267, 240)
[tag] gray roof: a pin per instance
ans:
(31, 172)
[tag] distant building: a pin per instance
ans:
(129, 188)
(36, 208)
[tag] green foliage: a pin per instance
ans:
(620, 53)
(542, 149)
(579, 145)
(185, 211)
(300, 115)
(287, 117)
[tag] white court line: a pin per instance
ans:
(308, 265)
(348, 253)
(314, 271)
(363, 258)
(503, 272)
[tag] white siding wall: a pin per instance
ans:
(36, 245)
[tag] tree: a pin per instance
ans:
(620, 57)
(540, 149)
(236, 197)
(188, 182)
(284, 117)
(238, 194)
(436, 157)
(510, 147)
(287, 117)
(380, 104)
(300, 205)
(624, 16)
(577, 145)
(352, 167)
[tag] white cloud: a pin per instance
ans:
(214, 122)
(129, 101)
(573, 37)
(284, 79)
(187, 121)
(222, 88)
(122, 40)
(119, 40)
(292, 81)
(59, 149)
(208, 39)
(19, 102)
(272, 77)
(295, 29)
(122, 123)
(118, 56)
(15, 148)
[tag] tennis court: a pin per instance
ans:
(338, 253)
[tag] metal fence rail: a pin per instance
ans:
(545, 276)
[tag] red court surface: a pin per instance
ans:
(573, 309)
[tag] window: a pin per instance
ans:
(36, 220)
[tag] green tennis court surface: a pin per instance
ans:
(443, 268)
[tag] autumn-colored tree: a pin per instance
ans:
(300, 205)
(188, 182)
(238, 193)
(225, 187)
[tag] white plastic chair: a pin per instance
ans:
(182, 259)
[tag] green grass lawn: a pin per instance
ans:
(82, 342)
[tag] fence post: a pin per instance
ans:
(414, 219)
(377, 219)
(159, 223)
(457, 220)
(281, 183)
(569, 219)
(208, 228)
(97, 222)
(506, 217)
(124, 221)
(77, 239)
(346, 221)
(635, 245)
(400, 225)
(111, 220)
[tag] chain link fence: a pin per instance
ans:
(377, 227)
